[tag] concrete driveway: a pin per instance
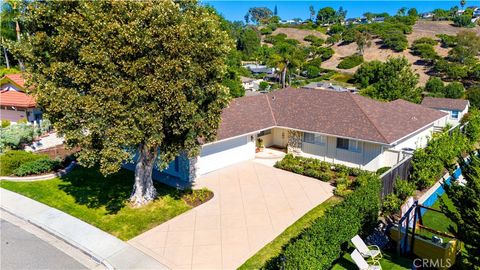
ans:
(253, 204)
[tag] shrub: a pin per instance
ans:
(404, 189)
(434, 85)
(11, 160)
(424, 51)
(22, 121)
(395, 40)
(312, 71)
(448, 41)
(454, 90)
(463, 21)
(5, 123)
(310, 38)
(391, 204)
(324, 242)
(266, 31)
(36, 167)
(350, 61)
(382, 170)
(13, 136)
(425, 40)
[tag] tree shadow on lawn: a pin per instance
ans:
(89, 187)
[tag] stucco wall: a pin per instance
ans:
(12, 116)
(417, 140)
(368, 158)
(280, 137)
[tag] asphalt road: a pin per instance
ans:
(23, 250)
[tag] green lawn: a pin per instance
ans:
(388, 262)
(273, 249)
(439, 221)
(103, 201)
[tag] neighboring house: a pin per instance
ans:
(328, 86)
(456, 108)
(250, 83)
(427, 15)
(15, 104)
(337, 127)
(255, 68)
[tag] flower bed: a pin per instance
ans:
(343, 176)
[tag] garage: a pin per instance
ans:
(224, 153)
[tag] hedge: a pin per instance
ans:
(315, 168)
(320, 245)
(36, 167)
(350, 61)
(13, 159)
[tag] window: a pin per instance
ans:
(264, 132)
(314, 138)
(454, 114)
(354, 146)
(342, 143)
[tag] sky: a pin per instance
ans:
(235, 10)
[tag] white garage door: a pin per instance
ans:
(218, 155)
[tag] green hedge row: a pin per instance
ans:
(316, 168)
(37, 166)
(327, 239)
(13, 159)
(442, 152)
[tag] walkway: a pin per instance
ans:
(253, 204)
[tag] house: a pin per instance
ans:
(337, 127)
(328, 86)
(15, 104)
(256, 68)
(427, 15)
(250, 83)
(456, 108)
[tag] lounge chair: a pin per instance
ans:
(362, 264)
(368, 252)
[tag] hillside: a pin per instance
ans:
(376, 52)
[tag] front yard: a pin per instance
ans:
(103, 201)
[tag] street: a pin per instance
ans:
(23, 250)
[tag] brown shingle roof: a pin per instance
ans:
(336, 113)
(445, 103)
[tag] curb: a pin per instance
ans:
(102, 247)
(58, 236)
(49, 176)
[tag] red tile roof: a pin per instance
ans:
(445, 103)
(17, 79)
(340, 114)
(16, 99)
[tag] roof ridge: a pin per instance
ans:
(271, 110)
(368, 118)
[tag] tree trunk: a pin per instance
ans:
(143, 189)
(7, 62)
(284, 75)
(17, 29)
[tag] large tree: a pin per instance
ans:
(125, 77)
(466, 200)
(388, 81)
(285, 57)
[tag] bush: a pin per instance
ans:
(404, 189)
(463, 21)
(312, 71)
(266, 31)
(425, 40)
(448, 41)
(5, 123)
(434, 85)
(310, 38)
(382, 170)
(11, 160)
(36, 167)
(424, 51)
(454, 90)
(350, 61)
(325, 241)
(13, 136)
(391, 204)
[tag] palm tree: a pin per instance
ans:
(285, 57)
(11, 10)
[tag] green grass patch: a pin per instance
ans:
(389, 261)
(103, 201)
(274, 248)
(438, 221)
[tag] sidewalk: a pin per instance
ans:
(103, 247)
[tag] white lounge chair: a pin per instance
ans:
(362, 264)
(368, 252)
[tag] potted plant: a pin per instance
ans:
(260, 145)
